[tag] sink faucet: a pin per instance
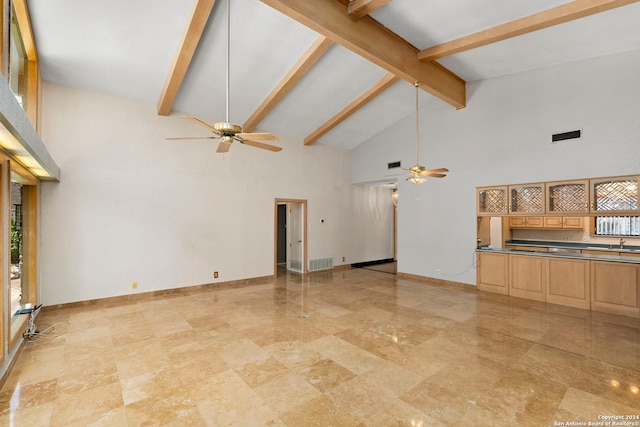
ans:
(622, 242)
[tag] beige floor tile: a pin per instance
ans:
(36, 416)
(286, 392)
(87, 407)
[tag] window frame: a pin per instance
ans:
(593, 226)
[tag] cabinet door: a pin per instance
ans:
(553, 222)
(617, 195)
(527, 277)
(597, 252)
(575, 222)
(491, 201)
(571, 222)
(517, 222)
(614, 288)
(526, 222)
(535, 222)
(493, 272)
(568, 282)
(526, 198)
(567, 197)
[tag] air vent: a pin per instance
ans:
(320, 264)
(393, 165)
(558, 137)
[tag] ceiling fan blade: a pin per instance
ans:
(191, 137)
(200, 123)
(223, 147)
(258, 136)
(433, 174)
(260, 145)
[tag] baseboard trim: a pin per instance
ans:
(132, 298)
(438, 282)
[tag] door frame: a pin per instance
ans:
(305, 268)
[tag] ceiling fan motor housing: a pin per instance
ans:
(226, 128)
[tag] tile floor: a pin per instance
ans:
(346, 348)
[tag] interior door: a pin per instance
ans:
(295, 237)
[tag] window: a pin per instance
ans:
(18, 63)
(617, 226)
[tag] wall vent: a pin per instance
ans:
(393, 165)
(296, 265)
(320, 264)
(558, 137)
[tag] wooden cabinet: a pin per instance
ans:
(568, 282)
(551, 222)
(567, 196)
(564, 222)
(614, 288)
(617, 195)
(597, 196)
(526, 199)
(574, 222)
(616, 253)
(597, 252)
(491, 201)
(527, 277)
(493, 272)
(526, 222)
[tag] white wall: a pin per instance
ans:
(372, 229)
(132, 206)
(503, 136)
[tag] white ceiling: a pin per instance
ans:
(126, 48)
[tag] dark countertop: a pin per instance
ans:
(572, 245)
(572, 253)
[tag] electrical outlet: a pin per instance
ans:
(134, 285)
(215, 274)
(438, 270)
(343, 258)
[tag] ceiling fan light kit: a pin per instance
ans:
(226, 131)
(419, 172)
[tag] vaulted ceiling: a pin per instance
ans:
(326, 71)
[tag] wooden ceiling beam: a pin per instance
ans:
(372, 41)
(304, 64)
(360, 8)
(199, 17)
(353, 106)
(556, 15)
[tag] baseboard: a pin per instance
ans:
(438, 282)
(131, 298)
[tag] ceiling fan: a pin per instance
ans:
(226, 131)
(418, 172)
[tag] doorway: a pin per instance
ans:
(290, 240)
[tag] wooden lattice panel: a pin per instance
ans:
(493, 200)
(568, 198)
(616, 195)
(527, 199)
